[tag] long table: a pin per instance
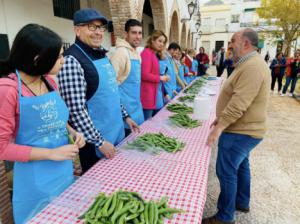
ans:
(181, 176)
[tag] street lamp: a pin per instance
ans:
(191, 8)
(197, 25)
(200, 33)
(198, 15)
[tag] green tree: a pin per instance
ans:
(285, 14)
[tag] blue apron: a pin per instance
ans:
(130, 91)
(194, 68)
(42, 123)
(104, 106)
(171, 84)
(181, 76)
(188, 77)
(159, 96)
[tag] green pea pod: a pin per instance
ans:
(88, 219)
(135, 207)
(163, 200)
(125, 209)
(155, 213)
(122, 219)
(71, 140)
(169, 210)
(136, 195)
(142, 216)
(113, 205)
(136, 221)
(100, 207)
(96, 205)
(142, 207)
(119, 205)
(146, 215)
(106, 206)
(132, 216)
(151, 212)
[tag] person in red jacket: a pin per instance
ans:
(292, 73)
(153, 51)
(203, 61)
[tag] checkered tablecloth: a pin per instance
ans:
(182, 176)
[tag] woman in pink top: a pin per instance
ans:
(150, 72)
(33, 121)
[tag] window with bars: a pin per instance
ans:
(235, 18)
(65, 8)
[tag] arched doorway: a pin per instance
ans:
(183, 41)
(153, 16)
(174, 28)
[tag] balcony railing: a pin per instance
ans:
(255, 24)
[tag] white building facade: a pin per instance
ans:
(220, 19)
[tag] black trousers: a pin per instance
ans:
(88, 157)
(220, 70)
(127, 132)
(279, 80)
(229, 71)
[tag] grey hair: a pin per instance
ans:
(251, 35)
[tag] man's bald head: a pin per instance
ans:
(251, 35)
(243, 42)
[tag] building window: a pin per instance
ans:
(235, 18)
(65, 8)
(250, 10)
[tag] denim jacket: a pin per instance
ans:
(278, 70)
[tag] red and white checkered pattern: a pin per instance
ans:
(182, 176)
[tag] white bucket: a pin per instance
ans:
(202, 108)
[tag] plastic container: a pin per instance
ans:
(202, 108)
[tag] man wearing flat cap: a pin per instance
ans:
(88, 85)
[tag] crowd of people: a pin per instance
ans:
(288, 68)
(94, 100)
(282, 68)
(97, 101)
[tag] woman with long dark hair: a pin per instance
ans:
(33, 121)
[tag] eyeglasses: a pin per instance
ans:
(93, 27)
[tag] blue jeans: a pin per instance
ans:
(148, 113)
(233, 173)
(287, 83)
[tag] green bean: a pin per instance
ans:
(106, 206)
(183, 120)
(146, 211)
(126, 208)
(113, 205)
(155, 213)
(188, 98)
(169, 210)
(179, 108)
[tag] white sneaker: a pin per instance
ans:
(291, 94)
(282, 94)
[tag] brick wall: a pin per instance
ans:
(5, 203)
